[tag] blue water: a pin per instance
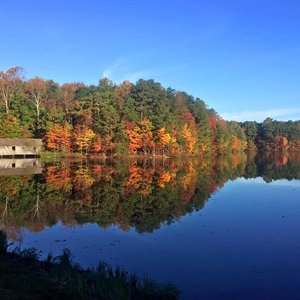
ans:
(244, 244)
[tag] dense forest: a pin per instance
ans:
(139, 119)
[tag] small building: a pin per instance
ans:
(20, 147)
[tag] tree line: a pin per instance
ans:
(139, 119)
(272, 135)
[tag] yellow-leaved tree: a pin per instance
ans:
(164, 138)
(83, 138)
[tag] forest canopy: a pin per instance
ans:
(144, 118)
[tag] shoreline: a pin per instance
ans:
(24, 276)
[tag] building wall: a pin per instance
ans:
(19, 150)
(19, 163)
(18, 167)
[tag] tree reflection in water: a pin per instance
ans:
(143, 194)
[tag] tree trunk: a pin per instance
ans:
(6, 101)
(6, 106)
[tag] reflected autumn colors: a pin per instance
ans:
(140, 194)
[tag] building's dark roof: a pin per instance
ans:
(21, 142)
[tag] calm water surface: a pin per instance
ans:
(226, 228)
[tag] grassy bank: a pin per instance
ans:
(24, 276)
(53, 156)
(48, 155)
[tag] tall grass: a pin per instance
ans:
(24, 276)
(3, 243)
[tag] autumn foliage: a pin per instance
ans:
(58, 138)
(143, 119)
(281, 143)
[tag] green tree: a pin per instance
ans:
(10, 127)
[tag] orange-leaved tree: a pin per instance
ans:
(281, 143)
(58, 137)
(97, 145)
(133, 133)
(147, 142)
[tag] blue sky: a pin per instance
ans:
(241, 57)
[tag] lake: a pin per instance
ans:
(218, 228)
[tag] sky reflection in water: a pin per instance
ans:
(215, 228)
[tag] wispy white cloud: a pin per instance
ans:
(121, 70)
(260, 115)
(156, 74)
(114, 68)
(134, 76)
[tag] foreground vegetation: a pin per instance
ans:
(138, 119)
(24, 276)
